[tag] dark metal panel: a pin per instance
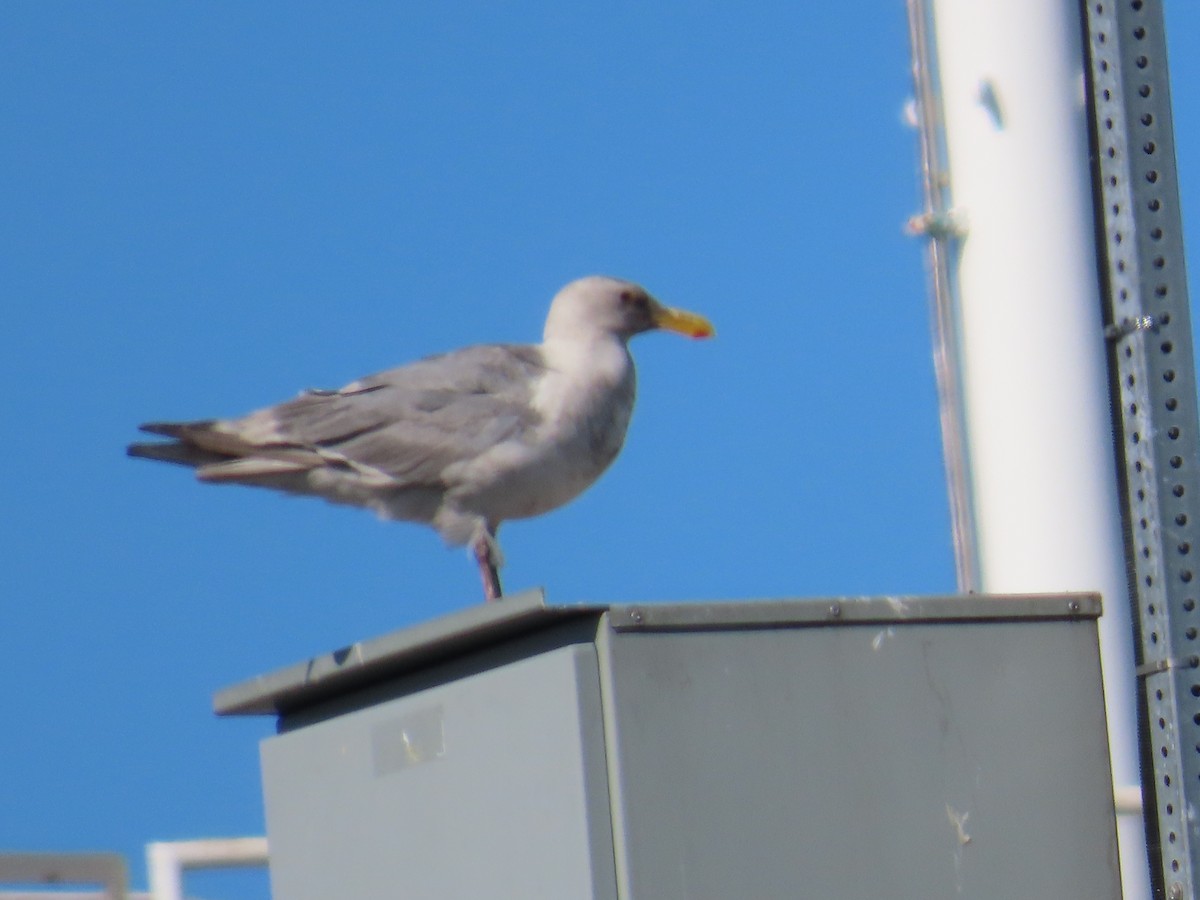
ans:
(921, 758)
(1154, 409)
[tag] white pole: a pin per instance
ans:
(163, 872)
(1031, 346)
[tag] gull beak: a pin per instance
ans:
(683, 322)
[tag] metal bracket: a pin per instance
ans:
(1164, 665)
(949, 224)
(1128, 326)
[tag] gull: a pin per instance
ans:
(462, 441)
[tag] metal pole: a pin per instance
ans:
(938, 224)
(1153, 384)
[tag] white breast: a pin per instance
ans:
(581, 378)
(585, 400)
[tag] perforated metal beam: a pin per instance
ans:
(1157, 430)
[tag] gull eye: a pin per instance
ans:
(636, 299)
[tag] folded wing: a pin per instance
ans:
(400, 428)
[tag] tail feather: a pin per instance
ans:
(176, 452)
(183, 450)
(220, 454)
(175, 429)
(206, 436)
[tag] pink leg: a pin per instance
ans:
(487, 567)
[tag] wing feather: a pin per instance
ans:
(402, 427)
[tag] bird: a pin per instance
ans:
(461, 441)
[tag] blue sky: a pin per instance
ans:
(208, 207)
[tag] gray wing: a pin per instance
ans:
(402, 427)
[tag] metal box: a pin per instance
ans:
(894, 747)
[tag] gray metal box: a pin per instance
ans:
(896, 747)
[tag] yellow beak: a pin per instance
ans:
(683, 322)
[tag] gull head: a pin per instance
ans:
(599, 306)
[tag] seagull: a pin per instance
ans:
(462, 441)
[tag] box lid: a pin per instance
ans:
(438, 640)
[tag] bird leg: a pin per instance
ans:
(487, 554)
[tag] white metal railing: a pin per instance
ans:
(166, 862)
(107, 869)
